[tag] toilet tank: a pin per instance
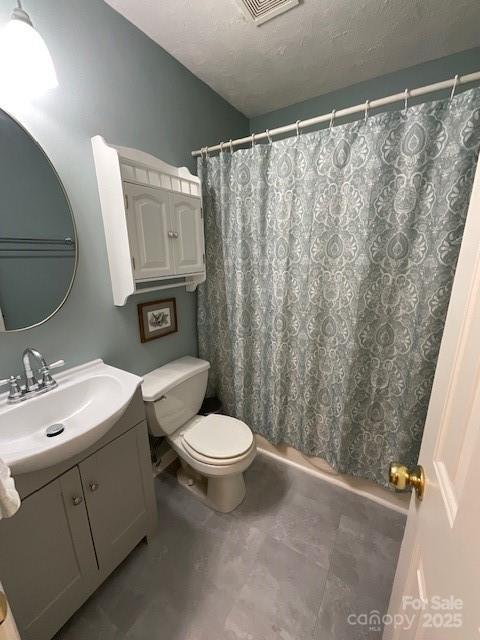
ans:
(174, 393)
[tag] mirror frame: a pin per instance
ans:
(75, 232)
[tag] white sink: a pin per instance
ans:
(88, 401)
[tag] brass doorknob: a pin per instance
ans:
(401, 478)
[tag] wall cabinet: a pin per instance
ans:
(152, 217)
(165, 232)
(72, 532)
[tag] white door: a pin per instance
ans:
(436, 593)
(188, 234)
(148, 221)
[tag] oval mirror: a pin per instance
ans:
(38, 239)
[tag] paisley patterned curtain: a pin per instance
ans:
(330, 260)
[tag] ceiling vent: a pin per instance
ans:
(262, 10)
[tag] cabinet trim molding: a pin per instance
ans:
(115, 165)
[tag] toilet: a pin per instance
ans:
(214, 450)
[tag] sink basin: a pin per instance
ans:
(88, 401)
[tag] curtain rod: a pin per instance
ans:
(329, 117)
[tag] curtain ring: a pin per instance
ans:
(231, 146)
(297, 125)
(454, 87)
(221, 146)
(267, 131)
(367, 104)
(253, 140)
(406, 92)
(332, 119)
(204, 153)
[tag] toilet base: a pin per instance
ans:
(221, 493)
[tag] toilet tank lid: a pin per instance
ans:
(161, 380)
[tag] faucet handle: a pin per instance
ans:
(15, 392)
(56, 364)
(47, 381)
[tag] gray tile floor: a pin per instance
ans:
(290, 563)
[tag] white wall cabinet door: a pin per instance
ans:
(187, 225)
(148, 221)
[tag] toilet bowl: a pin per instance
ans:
(214, 450)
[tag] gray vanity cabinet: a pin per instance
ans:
(114, 491)
(47, 557)
(76, 523)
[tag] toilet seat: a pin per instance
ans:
(216, 462)
(218, 439)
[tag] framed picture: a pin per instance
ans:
(157, 319)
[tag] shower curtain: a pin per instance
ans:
(330, 260)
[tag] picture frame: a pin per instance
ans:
(157, 318)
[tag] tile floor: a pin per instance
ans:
(289, 564)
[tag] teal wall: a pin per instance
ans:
(427, 73)
(116, 82)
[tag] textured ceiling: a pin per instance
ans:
(315, 48)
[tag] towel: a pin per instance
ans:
(9, 498)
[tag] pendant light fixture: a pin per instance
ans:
(26, 67)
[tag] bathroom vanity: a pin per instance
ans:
(78, 520)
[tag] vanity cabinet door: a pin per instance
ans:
(116, 495)
(149, 226)
(188, 227)
(50, 567)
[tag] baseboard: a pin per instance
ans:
(365, 488)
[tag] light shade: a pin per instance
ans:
(26, 66)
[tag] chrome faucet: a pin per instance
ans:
(33, 386)
(31, 382)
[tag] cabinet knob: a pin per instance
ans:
(77, 500)
(93, 486)
(171, 234)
